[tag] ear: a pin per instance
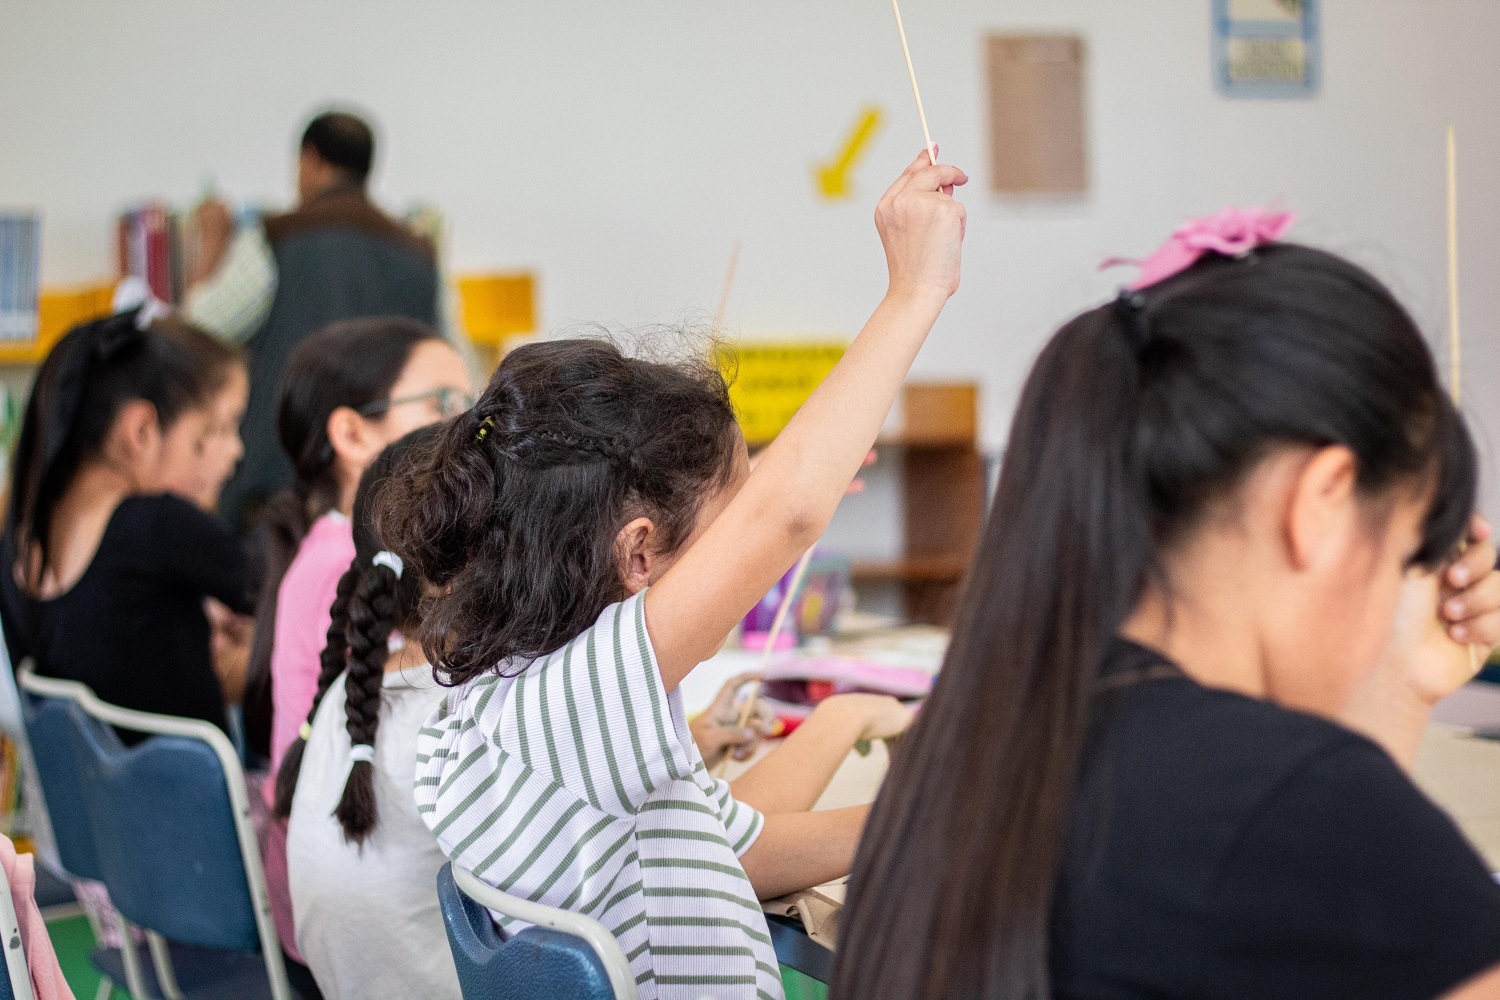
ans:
(636, 544)
(1322, 507)
(349, 433)
(137, 431)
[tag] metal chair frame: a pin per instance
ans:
(234, 780)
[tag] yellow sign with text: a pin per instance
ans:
(770, 380)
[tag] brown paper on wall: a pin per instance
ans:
(1038, 135)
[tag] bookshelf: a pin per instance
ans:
(58, 311)
(936, 443)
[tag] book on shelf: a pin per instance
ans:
(150, 240)
(20, 274)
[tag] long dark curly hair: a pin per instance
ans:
(512, 514)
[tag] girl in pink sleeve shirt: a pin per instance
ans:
(350, 389)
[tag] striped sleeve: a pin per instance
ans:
(742, 823)
(596, 716)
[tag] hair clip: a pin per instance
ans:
(304, 733)
(484, 428)
(390, 561)
(1130, 307)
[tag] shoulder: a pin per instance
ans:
(1151, 714)
(158, 517)
(325, 553)
(349, 210)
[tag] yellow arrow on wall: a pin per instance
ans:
(833, 178)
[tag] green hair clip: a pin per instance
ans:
(484, 428)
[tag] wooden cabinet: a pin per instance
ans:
(943, 494)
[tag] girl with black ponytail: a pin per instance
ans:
(1220, 590)
(106, 571)
(362, 864)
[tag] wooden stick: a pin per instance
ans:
(915, 91)
(1455, 357)
(777, 624)
(722, 312)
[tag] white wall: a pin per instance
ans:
(621, 148)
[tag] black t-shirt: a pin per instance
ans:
(1226, 847)
(133, 627)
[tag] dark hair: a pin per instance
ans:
(1136, 418)
(512, 515)
(342, 140)
(215, 360)
(372, 603)
(352, 363)
(88, 377)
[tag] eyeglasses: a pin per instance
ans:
(448, 401)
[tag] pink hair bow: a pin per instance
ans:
(1232, 232)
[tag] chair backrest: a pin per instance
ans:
(562, 955)
(53, 724)
(171, 826)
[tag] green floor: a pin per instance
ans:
(800, 987)
(74, 940)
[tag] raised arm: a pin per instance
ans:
(791, 495)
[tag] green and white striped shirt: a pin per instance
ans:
(576, 783)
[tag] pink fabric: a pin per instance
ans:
(302, 617)
(47, 980)
(1232, 232)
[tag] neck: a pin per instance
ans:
(98, 485)
(1206, 626)
(408, 656)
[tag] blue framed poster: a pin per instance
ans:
(1267, 48)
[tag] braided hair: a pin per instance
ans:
(375, 599)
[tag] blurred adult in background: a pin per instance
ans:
(336, 256)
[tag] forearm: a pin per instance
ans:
(791, 778)
(801, 850)
(806, 469)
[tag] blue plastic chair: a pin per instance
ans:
(52, 725)
(170, 822)
(563, 955)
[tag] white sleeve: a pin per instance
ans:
(234, 301)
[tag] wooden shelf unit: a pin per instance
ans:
(943, 498)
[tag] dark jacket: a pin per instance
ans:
(337, 257)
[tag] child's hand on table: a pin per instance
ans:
(717, 730)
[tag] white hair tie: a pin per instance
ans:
(362, 751)
(390, 560)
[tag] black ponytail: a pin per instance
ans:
(352, 363)
(1136, 417)
(375, 598)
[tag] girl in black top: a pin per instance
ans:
(109, 574)
(1220, 590)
